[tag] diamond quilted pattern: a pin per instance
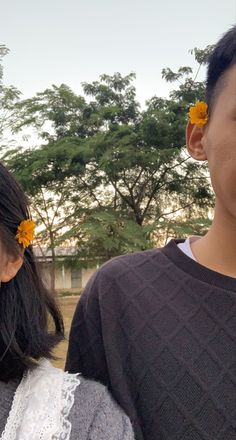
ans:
(188, 392)
(210, 419)
(159, 330)
(225, 393)
(231, 322)
(171, 418)
(203, 325)
(167, 366)
(167, 321)
(191, 433)
(224, 347)
(206, 368)
(184, 344)
(164, 278)
(184, 302)
(230, 434)
(220, 308)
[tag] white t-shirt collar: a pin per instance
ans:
(185, 247)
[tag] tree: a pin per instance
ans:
(8, 97)
(142, 158)
(122, 171)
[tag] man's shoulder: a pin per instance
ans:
(132, 272)
(137, 261)
(128, 270)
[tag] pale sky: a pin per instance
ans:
(71, 41)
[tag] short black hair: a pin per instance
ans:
(221, 59)
(30, 320)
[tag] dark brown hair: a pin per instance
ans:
(30, 321)
(221, 59)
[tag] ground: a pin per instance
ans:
(67, 305)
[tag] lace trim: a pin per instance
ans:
(70, 384)
(41, 405)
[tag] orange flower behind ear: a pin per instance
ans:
(198, 114)
(26, 232)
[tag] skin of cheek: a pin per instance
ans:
(219, 143)
(222, 167)
(3, 262)
(1, 270)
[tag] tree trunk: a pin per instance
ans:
(53, 264)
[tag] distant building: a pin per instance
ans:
(66, 278)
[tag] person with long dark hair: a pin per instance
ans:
(38, 401)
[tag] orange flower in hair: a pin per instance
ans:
(198, 114)
(26, 232)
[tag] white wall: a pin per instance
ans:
(63, 276)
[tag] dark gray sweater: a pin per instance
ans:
(160, 330)
(94, 415)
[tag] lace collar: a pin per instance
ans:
(41, 405)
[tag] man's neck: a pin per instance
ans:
(217, 249)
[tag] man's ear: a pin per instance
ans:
(10, 268)
(194, 137)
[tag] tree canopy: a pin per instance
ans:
(108, 175)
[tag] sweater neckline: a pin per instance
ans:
(195, 269)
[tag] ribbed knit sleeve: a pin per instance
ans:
(96, 416)
(110, 422)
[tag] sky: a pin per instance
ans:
(75, 41)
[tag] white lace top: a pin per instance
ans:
(41, 405)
